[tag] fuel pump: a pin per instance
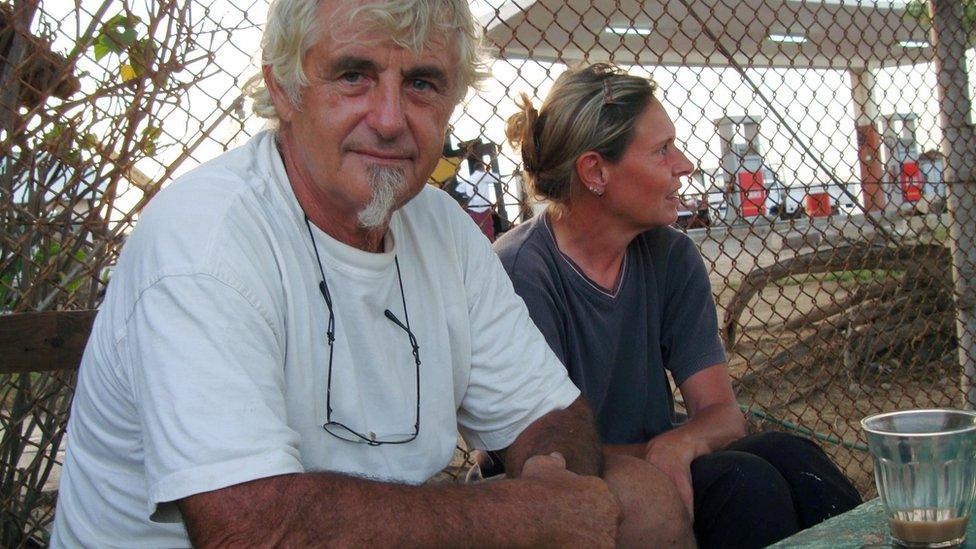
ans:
(902, 164)
(749, 182)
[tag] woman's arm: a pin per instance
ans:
(714, 422)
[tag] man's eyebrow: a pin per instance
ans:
(351, 63)
(430, 72)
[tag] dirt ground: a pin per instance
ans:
(823, 397)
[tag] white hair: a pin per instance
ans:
(294, 26)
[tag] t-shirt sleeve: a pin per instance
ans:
(689, 325)
(206, 371)
(515, 377)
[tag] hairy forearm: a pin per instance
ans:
(322, 509)
(571, 432)
(314, 509)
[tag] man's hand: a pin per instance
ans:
(585, 505)
(673, 456)
(570, 432)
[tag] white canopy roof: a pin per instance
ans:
(840, 34)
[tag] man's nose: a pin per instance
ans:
(386, 116)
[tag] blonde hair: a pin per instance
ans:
(593, 108)
(294, 26)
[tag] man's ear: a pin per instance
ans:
(590, 170)
(282, 102)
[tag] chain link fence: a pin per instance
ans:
(833, 200)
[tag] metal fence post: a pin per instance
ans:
(949, 39)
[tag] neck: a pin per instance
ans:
(326, 209)
(589, 236)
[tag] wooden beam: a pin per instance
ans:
(39, 342)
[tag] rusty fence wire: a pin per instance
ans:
(832, 203)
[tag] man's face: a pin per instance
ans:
(372, 120)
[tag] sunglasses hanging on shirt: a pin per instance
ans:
(336, 428)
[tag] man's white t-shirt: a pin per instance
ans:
(479, 188)
(207, 365)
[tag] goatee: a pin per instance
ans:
(387, 184)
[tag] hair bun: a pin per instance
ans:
(520, 131)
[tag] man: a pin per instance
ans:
(479, 187)
(296, 331)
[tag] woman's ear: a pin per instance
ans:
(590, 170)
(282, 102)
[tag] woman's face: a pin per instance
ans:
(642, 187)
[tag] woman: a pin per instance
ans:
(623, 298)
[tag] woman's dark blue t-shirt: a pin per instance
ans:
(617, 344)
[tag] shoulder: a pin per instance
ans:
(220, 210)
(665, 238)
(434, 206)
(523, 247)
(673, 256)
(435, 220)
(204, 193)
(667, 245)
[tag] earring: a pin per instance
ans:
(596, 191)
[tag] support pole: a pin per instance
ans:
(959, 147)
(868, 140)
(729, 162)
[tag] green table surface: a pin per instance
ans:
(863, 526)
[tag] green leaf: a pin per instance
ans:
(81, 257)
(101, 50)
(152, 132)
(59, 137)
(121, 29)
(42, 255)
(969, 16)
(918, 9)
(149, 137)
(54, 133)
(59, 140)
(116, 35)
(89, 140)
(141, 55)
(8, 292)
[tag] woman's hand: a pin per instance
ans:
(672, 454)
